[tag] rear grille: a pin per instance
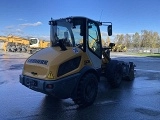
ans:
(69, 66)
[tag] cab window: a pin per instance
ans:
(94, 42)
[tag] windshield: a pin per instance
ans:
(33, 41)
(70, 33)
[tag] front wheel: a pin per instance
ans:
(114, 73)
(130, 76)
(87, 90)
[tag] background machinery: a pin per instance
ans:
(73, 64)
(36, 44)
(19, 44)
(119, 48)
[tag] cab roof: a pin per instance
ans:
(75, 17)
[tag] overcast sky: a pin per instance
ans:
(30, 17)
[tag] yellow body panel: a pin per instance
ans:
(54, 58)
(18, 40)
(5, 46)
(44, 44)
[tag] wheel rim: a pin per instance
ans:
(90, 90)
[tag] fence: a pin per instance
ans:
(144, 50)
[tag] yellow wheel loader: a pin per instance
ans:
(73, 64)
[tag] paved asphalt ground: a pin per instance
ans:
(137, 100)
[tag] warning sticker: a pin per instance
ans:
(50, 75)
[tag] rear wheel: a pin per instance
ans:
(87, 90)
(114, 73)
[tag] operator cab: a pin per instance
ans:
(79, 32)
(34, 42)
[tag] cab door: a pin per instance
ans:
(94, 46)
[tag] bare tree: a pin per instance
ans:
(119, 39)
(154, 40)
(127, 40)
(136, 40)
(146, 39)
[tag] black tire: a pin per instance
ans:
(8, 49)
(19, 50)
(31, 52)
(24, 49)
(87, 90)
(114, 73)
(130, 76)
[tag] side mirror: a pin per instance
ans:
(109, 30)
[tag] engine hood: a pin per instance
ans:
(44, 56)
(45, 63)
